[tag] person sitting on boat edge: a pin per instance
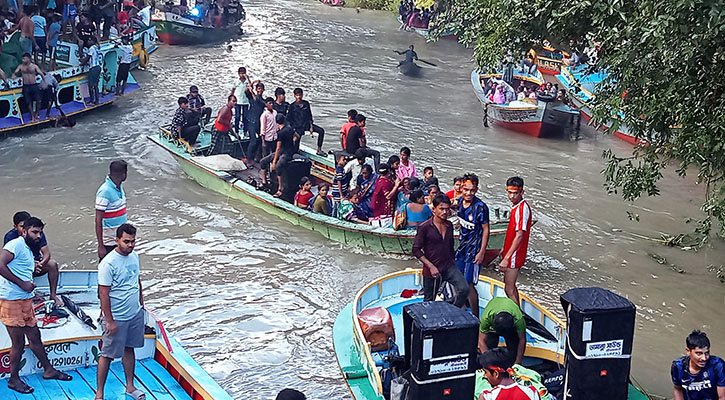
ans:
(416, 210)
(16, 304)
(221, 142)
(197, 110)
(498, 371)
(286, 148)
(349, 209)
(304, 195)
(433, 246)
(122, 310)
(323, 203)
(503, 317)
(180, 127)
(698, 375)
(44, 264)
(473, 215)
(409, 54)
(341, 181)
(300, 118)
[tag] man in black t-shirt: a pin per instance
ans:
(280, 103)
(255, 95)
(287, 141)
(356, 140)
(299, 117)
(85, 30)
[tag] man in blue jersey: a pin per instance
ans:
(473, 238)
(698, 375)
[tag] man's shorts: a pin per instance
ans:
(469, 270)
(129, 334)
(42, 49)
(122, 74)
(32, 93)
(17, 313)
(26, 45)
(94, 75)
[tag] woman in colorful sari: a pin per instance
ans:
(403, 194)
(366, 185)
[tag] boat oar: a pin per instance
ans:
(428, 62)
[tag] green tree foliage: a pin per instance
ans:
(666, 63)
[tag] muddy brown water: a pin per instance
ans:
(253, 298)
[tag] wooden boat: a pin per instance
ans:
(581, 85)
(548, 59)
(235, 185)
(360, 367)
(174, 29)
(548, 118)
(425, 32)
(409, 68)
(143, 41)
(72, 90)
(164, 370)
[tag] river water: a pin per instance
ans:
(253, 298)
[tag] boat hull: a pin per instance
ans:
(358, 235)
(175, 33)
(410, 69)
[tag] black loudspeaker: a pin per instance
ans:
(440, 349)
(600, 330)
(293, 173)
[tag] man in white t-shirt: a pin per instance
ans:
(17, 264)
(124, 64)
(123, 317)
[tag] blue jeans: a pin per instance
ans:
(240, 113)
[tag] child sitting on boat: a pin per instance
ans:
(304, 195)
(349, 209)
(323, 202)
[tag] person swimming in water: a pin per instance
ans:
(409, 54)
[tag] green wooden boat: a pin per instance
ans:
(360, 367)
(235, 185)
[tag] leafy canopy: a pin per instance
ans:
(668, 56)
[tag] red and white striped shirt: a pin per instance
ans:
(513, 391)
(520, 220)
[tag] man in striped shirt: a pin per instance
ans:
(110, 207)
(517, 237)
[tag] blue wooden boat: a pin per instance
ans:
(581, 85)
(546, 118)
(360, 366)
(164, 370)
(72, 92)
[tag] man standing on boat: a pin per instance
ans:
(94, 60)
(16, 304)
(300, 119)
(110, 207)
(517, 237)
(286, 148)
(268, 127)
(242, 108)
(255, 95)
(281, 105)
(433, 246)
(409, 54)
(474, 217)
(698, 375)
(123, 317)
(32, 92)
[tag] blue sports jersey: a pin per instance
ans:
(472, 220)
(702, 386)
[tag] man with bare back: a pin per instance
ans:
(31, 89)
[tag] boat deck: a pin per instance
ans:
(150, 377)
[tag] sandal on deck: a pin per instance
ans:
(24, 388)
(59, 376)
(278, 194)
(137, 394)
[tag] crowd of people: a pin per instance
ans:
(414, 17)
(502, 93)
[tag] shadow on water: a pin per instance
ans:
(254, 298)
